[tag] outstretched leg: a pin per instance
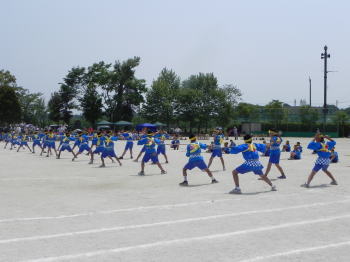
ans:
(103, 162)
(329, 174)
(210, 161)
(161, 168)
(283, 176)
(184, 174)
(223, 163)
(268, 169)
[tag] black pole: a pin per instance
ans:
(310, 89)
(325, 56)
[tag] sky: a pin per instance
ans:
(267, 48)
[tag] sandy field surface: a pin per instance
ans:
(59, 210)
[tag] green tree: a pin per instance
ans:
(308, 116)
(54, 107)
(40, 114)
(29, 102)
(248, 112)
(91, 104)
(7, 79)
(188, 106)
(227, 98)
(67, 95)
(32, 105)
(208, 97)
(275, 112)
(117, 84)
(10, 108)
(341, 118)
(161, 98)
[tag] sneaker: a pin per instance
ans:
(141, 173)
(184, 183)
(135, 160)
(273, 188)
(102, 165)
(214, 181)
(163, 172)
(334, 183)
(90, 162)
(305, 185)
(120, 157)
(282, 177)
(235, 191)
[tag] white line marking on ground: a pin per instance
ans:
(171, 222)
(141, 208)
(297, 251)
(46, 178)
(184, 240)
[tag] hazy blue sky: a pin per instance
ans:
(267, 48)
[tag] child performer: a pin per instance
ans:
(161, 147)
(323, 151)
(251, 164)
(150, 152)
(65, 145)
(36, 142)
(50, 141)
(24, 142)
(217, 152)
(195, 160)
(175, 143)
(83, 146)
(129, 145)
(275, 153)
(295, 154)
(334, 156)
(109, 150)
(100, 147)
(286, 147)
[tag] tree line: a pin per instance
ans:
(111, 91)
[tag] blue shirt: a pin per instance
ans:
(249, 151)
(297, 153)
(322, 149)
(149, 144)
(194, 151)
(217, 141)
(335, 154)
(275, 143)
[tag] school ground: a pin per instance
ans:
(59, 210)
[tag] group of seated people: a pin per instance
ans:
(295, 154)
(225, 149)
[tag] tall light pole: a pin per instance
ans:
(325, 56)
(310, 89)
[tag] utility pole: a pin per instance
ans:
(310, 89)
(325, 56)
